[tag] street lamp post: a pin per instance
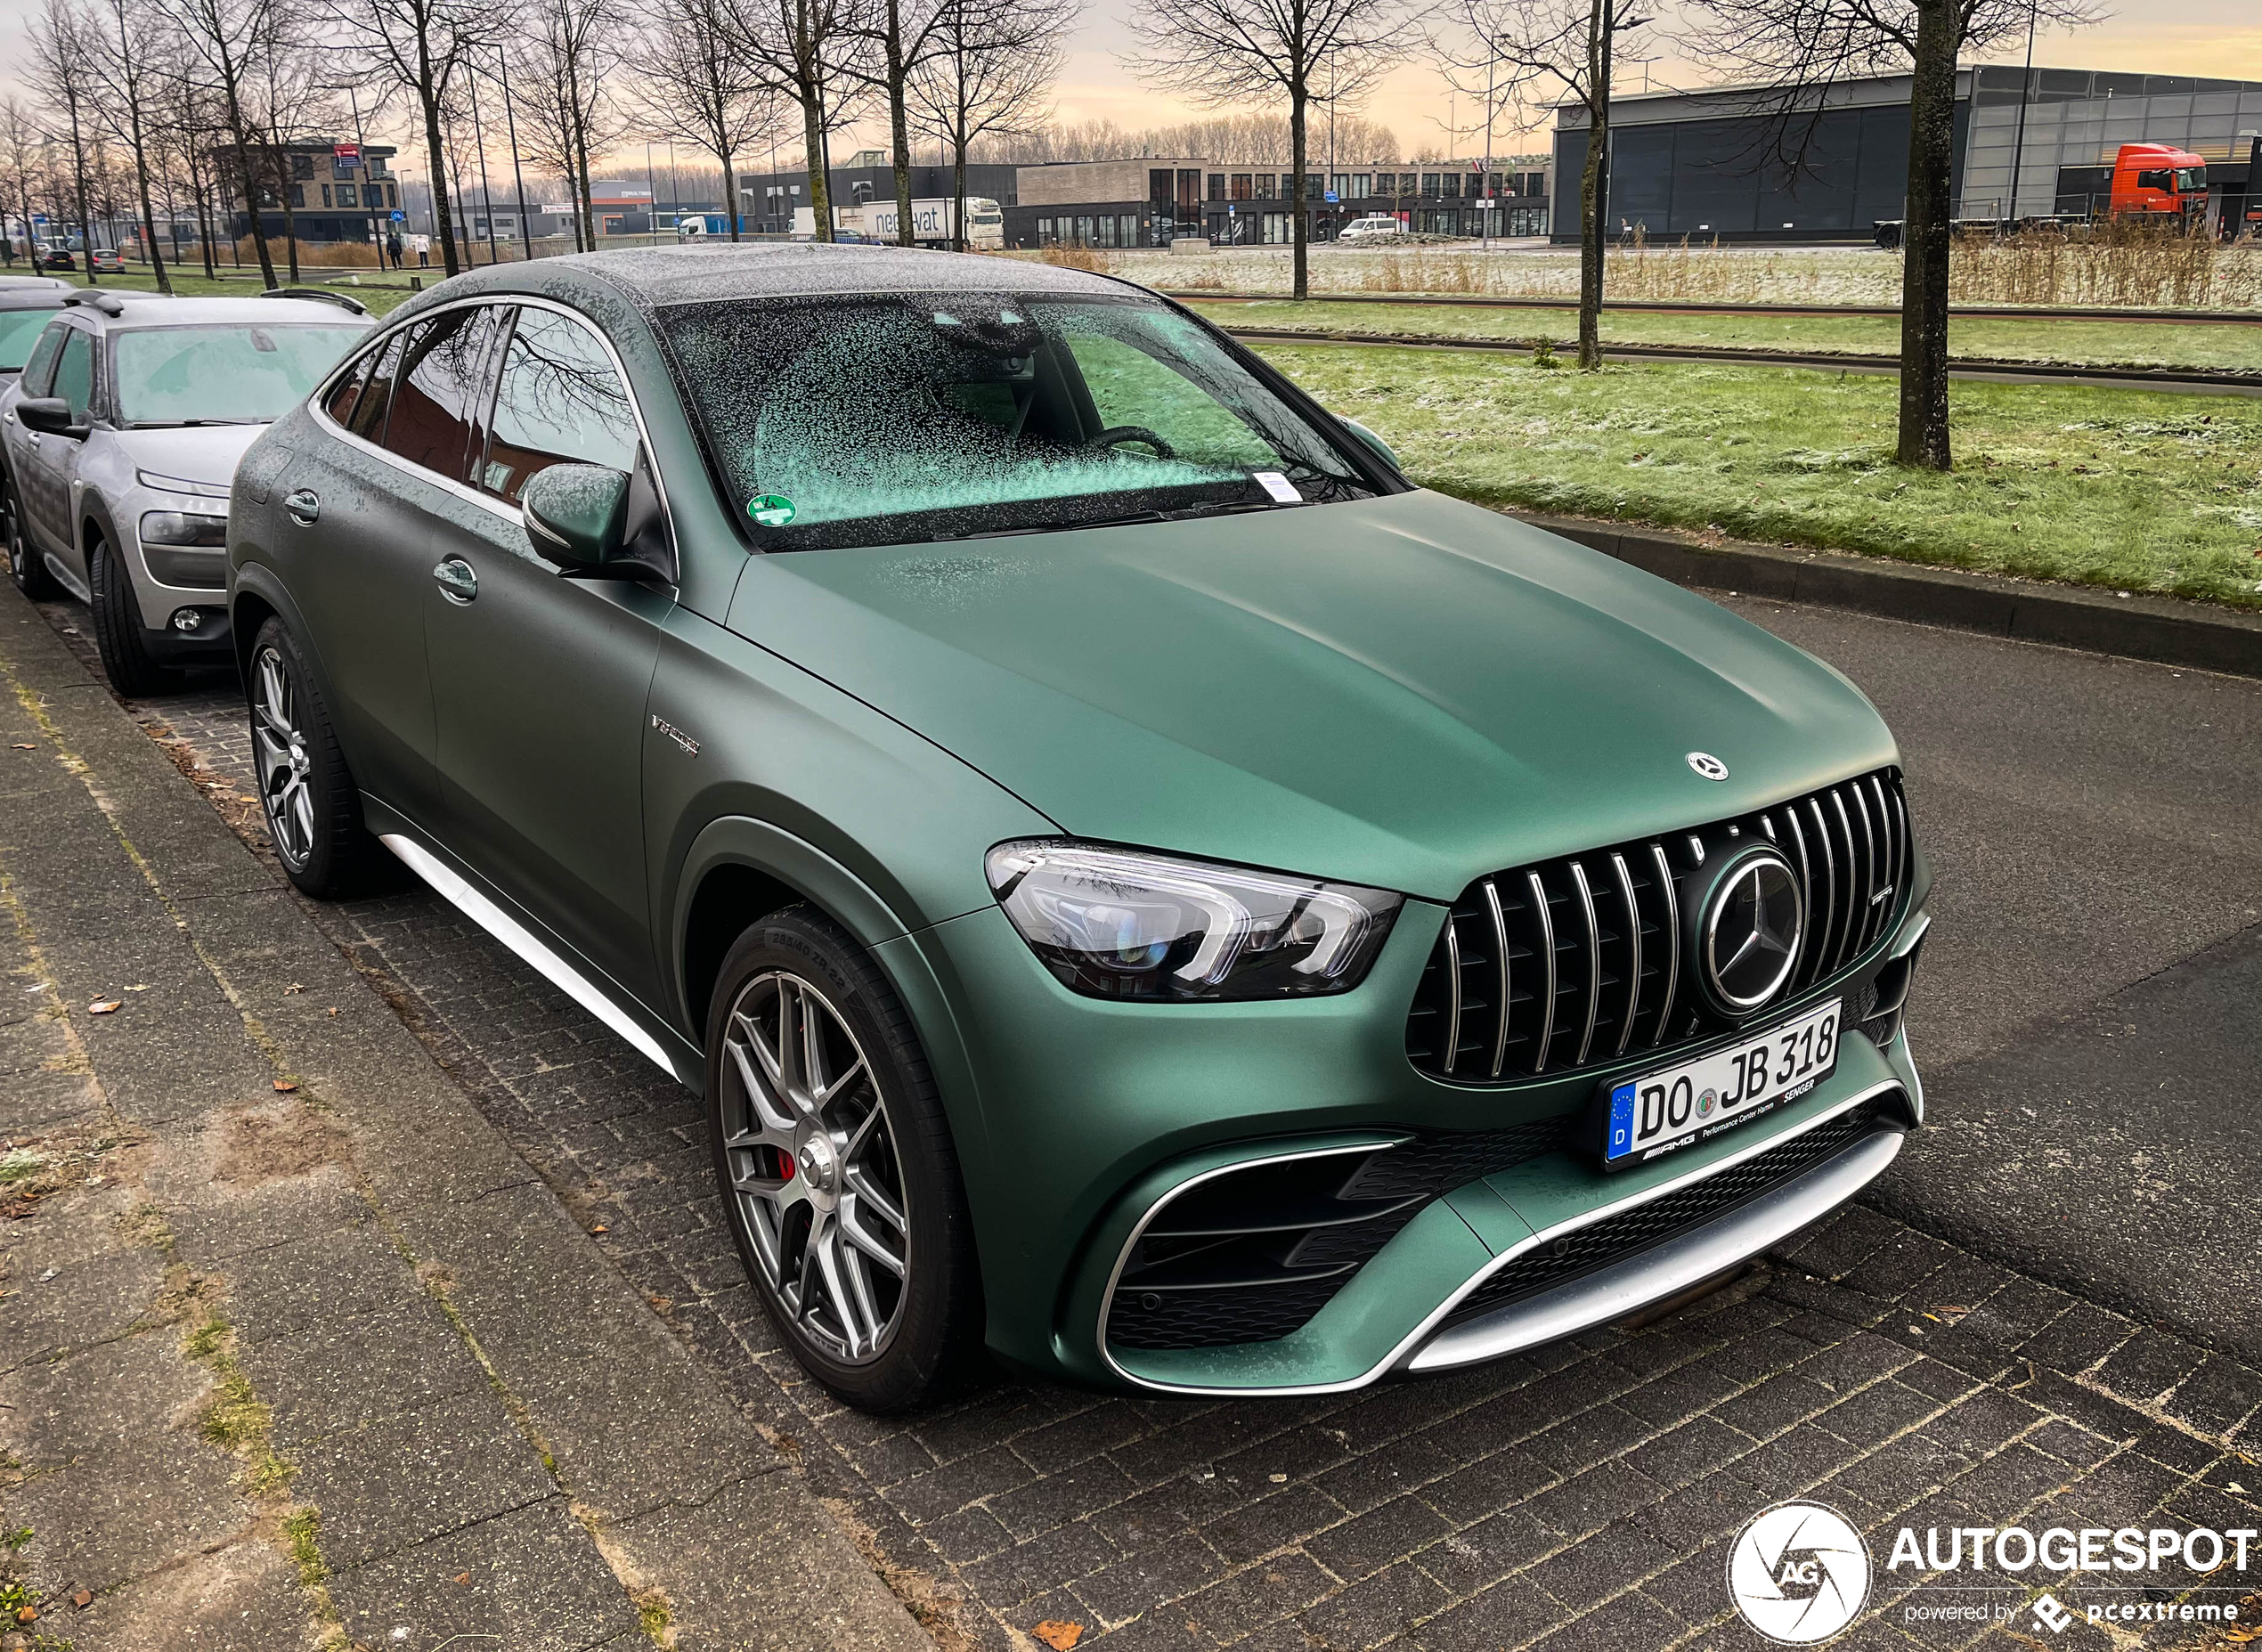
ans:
(486, 195)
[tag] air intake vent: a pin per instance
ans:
(1570, 964)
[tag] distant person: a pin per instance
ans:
(423, 244)
(393, 247)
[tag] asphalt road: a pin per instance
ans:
(2085, 1017)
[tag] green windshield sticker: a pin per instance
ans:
(772, 511)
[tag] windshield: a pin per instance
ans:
(2190, 179)
(17, 329)
(241, 372)
(884, 420)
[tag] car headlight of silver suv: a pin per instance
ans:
(184, 527)
(1126, 923)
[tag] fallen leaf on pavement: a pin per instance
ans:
(103, 1007)
(294, 986)
(1058, 1635)
(286, 1086)
(30, 1614)
(26, 746)
(84, 1598)
(600, 1228)
(463, 1578)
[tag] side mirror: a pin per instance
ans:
(48, 415)
(577, 515)
(1371, 440)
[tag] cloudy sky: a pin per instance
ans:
(2220, 37)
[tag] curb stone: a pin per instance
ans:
(2162, 629)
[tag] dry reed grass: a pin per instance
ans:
(2119, 265)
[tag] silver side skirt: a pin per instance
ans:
(529, 947)
(1612, 1292)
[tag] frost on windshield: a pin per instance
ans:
(990, 407)
(234, 372)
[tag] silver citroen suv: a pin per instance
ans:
(118, 445)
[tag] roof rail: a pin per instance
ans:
(94, 298)
(318, 296)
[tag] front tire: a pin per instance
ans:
(313, 807)
(119, 638)
(26, 566)
(836, 1168)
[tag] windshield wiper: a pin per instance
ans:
(187, 424)
(1057, 527)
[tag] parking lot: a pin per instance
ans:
(2043, 1315)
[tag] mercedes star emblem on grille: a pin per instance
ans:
(1705, 764)
(1751, 931)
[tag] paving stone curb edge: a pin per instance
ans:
(2162, 629)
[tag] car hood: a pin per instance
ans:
(1404, 692)
(205, 454)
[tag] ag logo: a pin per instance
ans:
(1798, 1573)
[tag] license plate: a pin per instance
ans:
(1677, 1107)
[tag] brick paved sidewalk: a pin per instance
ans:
(1581, 1498)
(294, 1349)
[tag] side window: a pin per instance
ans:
(75, 376)
(377, 394)
(437, 390)
(39, 370)
(559, 403)
(346, 396)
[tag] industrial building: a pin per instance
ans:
(1151, 200)
(2029, 143)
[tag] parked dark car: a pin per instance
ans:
(1139, 884)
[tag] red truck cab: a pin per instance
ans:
(2158, 179)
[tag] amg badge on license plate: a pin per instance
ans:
(1677, 1107)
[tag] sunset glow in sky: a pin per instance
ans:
(2214, 37)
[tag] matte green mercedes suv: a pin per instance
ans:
(1140, 887)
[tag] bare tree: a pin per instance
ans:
(809, 52)
(693, 89)
(562, 63)
(989, 75)
(1798, 48)
(419, 47)
(1222, 53)
(18, 162)
(63, 73)
(1567, 47)
(226, 37)
(293, 98)
(126, 45)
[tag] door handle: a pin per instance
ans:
(458, 582)
(306, 507)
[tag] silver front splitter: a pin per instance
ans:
(1612, 1292)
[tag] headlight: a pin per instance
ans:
(1117, 923)
(180, 527)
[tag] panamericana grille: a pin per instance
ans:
(1600, 1243)
(1550, 968)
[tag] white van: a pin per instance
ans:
(1374, 230)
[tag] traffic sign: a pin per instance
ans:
(1333, 197)
(398, 216)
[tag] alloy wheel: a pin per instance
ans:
(813, 1167)
(279, 747)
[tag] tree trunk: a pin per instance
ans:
(900, 130)
(958, 189)
(435, 175)
(820, 191)
(729, 191)
(203, 213)
(85, 221)
(1925, 242)
(283, 186)
(1594, 186)
(149, 220)
(588, 191)
(1296, 190)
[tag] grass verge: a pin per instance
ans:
(2218, 348)
(2127, 489)
(380, 300)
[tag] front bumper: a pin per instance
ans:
(1081, 1120)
